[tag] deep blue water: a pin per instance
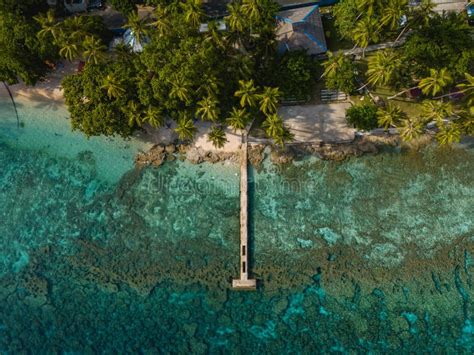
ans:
(371, 255)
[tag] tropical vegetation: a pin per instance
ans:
(431, 53)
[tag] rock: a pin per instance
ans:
(170, 148)
(256, 155)
(155, 156)
(281, 157)
(367, 147)
(195, 155)
(182, 148)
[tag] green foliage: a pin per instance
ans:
(363, 116)
(274, 128)
(238, 118)
(382, 67)
(339, 73)
(366, 31)
(297, 74)
(21, 55)
(346, 12)
(98, 102)
(27, 8)
(217, 136)
(436, 82)
(390, 116)
(410, 129)
(445, 42)
(124, 6)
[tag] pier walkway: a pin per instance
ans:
(244, 283)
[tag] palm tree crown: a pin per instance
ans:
(137, 26)
(48, 25)
(366, 31)
(393, 12)
(217, 136)
(238, 118)
(186, 127)
(391, 116)
(269, 100)
(436, 82)
(235, 17)
(247, 93)
(382, 66)
(94, 50)
(113, 86)
(207, 109)
(193, 12)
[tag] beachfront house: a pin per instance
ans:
(301, 28)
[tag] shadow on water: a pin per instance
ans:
(251, 219)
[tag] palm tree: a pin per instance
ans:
(367, 6)
(193, 12)
(207, 109)
(137, 26)
(418, 16)
(410, 129)
(437, 111)
(69, 50)
(333, 64)
(422, 13)
(94, 50)
(251, 9)
(448, 134)
(382, 66)
(132, 110)
(393, 12)
(391, 116)
(217, 136)
(113, 86)
(123, 51)
(275, 129)
(269, 100)
(365, 32)
(273, 126)
(154, 116)
(213, 35)
(48, 25)
(162, 22)
(235, 17)
(238, 118)
(247, 93)
(185, 128)
(437, 80)
(179, 89)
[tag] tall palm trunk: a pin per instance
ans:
(14, 104)
(401, 92)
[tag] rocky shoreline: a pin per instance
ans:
(367, 144)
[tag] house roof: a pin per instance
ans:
(302, 29)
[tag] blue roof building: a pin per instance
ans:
(301, 28)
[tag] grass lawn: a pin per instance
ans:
(410, 106)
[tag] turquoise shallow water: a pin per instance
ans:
(374, 254)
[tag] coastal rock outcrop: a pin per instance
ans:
(256, 154)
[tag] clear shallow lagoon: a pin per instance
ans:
(372, 254)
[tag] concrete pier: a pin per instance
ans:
(244, 283)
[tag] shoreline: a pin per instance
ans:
(319, 133)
